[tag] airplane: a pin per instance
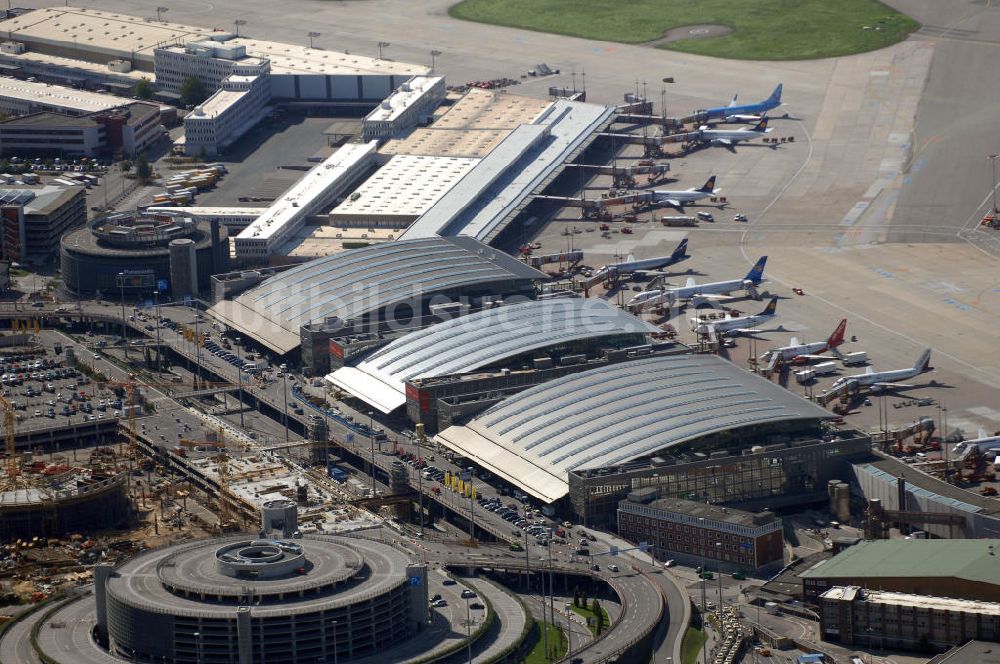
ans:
(737, 113)
(796, 351)
(739, 325)
(730, 137)
(879, 380)
(646, 266)
(982, 443)
(697, 294)
(678, 199)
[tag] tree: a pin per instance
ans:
(126, 166)
(598, 615)
(144, 88)
(576, 597)
(143, 171)
(193, 91)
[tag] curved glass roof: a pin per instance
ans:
(616, 414)
(354, 283)
(477, 340)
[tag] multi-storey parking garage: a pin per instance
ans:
(241, 600)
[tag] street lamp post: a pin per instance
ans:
(159, 349)
(381, 45)
(993, 163)
(159, 11)
(420, 477)
(434, 55)
(239, 380)
(238, 22)
(121, 285)
(371, 437)
(468, 628)
(284, 379)
(312, 35)
(197, 645)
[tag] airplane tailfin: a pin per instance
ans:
(770, 308)
(756, 274)
(837, 337)
(681, 250)
(709, 185)
(776, 95)
(924, 363)
(761, 126)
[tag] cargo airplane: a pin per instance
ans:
(738, 325)
(678, 199)
(796, 352)
(882, 380)
(645, 267)
(742, 113)
(697, 294)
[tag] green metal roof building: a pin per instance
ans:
(963, 569)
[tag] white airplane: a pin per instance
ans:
(730, 137)
(879, 380)
(718, 290)
(795, 351)
(644, 267)
(983, 443)
(738, 325)
(679, 199)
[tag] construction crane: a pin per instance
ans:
(12, 480)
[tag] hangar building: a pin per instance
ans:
(596, 435)
(369, 288)
(486, 338)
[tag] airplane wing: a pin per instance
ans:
(713, 298)
(630, 259)
(724, 141)
(812, 357)
(889, 385)
(733, 102)
(742, 330)
(869, 369)
(690, 282)
(673, 202)
(795, 342)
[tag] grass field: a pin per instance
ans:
(587, 614)
(761, 29)
(691, 645)
(557, 644)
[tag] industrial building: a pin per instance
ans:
(470, 127)
(115, 76)
(370, 288)
(973, 652)
(961, 569)
(134, 42)
(493, 193)
(409, 105)
(93, 258)
(242, 599)
(313, 194)
(623, 417)
(494, 336)
(24, 97)
(400, 191)
(696, 532)
(34, 220)
(885, 620)
(126, 130)
(923, 502)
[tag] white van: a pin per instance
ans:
(250, 367)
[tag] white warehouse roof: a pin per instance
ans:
(296, 201)
(71, 99)
(405, 187)
(478, 340)
(405, 96)
(616, 414)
